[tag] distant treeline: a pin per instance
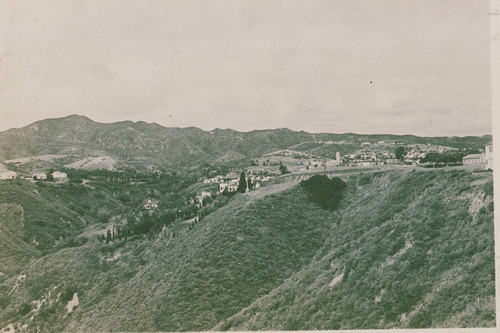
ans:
(447, 158)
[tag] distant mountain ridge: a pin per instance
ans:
(173, 147)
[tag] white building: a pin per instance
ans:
(59, 175)
(474, 160)
(39, 176)
(488, 155)
(229, 187)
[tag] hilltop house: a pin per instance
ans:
(151, 204)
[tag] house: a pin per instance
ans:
(488, 155)
(229, 187)
(39, 176)
(151, 204)
(474, 160)
(7, 175)
(232, 188)
(205, 194)
(59, 175)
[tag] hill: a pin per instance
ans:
(417, 254)
(75, 139)
(403, 249)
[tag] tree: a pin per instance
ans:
(325, 191)
(242, 186)
(400, 152)
(108, 237)
(207, 200)
(250, 184)
(50, 176)
(283, 169)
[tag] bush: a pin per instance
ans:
(365, 179)
(25, 308)
(324, 191)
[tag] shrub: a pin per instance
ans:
(365, 179)
(324, 191)
(25, 308)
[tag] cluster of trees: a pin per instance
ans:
(324, 191)
(245, 183)
(77, 175)
(50, 176)
(147, 223)
(400, 152)
(446, 158)
(283, 169)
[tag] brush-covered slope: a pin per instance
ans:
(38, 217)
(411, 250)
(191, 282)
(404, 249)
(31, 223)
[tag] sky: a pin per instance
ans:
(387, 66)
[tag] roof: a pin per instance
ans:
(474, 156)
(151, 202)
(489, 143)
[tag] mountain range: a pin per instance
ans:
(140, 144)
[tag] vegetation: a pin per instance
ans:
(446, 158)
(400, 152)
(283, 169)
(242, 185)
(324, 191)
(403, 257)
(401, 249)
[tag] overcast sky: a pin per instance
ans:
(385, 66)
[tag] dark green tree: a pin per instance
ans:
(242, 186)
(325, 191)
(50, 176)
(400, 152)
(250, 184)
(283, 169)
(108, 237)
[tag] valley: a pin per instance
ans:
(123, 237)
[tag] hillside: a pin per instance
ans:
(31, 223)
(75, 139)
(404, 249)
(417, 254)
